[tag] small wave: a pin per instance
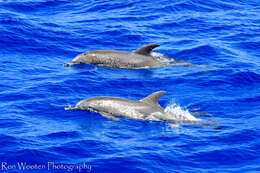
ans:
(171, 61)
(243, 78)
(32, 6)
(62, 134)
(199, 52)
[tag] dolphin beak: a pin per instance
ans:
(69, 64)
(71, 108)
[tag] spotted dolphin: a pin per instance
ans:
(140, 58)
(147, 108)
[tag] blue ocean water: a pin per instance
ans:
(38, 36)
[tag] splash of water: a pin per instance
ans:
(176, 112)
(162, 58)
(173, 113)
(167, 60)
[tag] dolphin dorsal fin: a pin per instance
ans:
(146, 50)
(154, 97)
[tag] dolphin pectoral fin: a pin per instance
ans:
(109, 116)
(154, 97)
(146, 50)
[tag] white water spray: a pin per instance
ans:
(173, 113)
(162, 58)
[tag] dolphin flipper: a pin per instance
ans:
(109, 116)
(146, 50)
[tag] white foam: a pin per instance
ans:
(176, 112)
(173, 113)
(162, 58)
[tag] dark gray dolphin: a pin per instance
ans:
(147, 108)
(137, 59)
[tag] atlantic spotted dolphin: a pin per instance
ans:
(147, 108)
(140, 58)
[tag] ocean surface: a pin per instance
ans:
(37, 37)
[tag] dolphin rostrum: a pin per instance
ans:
(147, 108)
(140, 58)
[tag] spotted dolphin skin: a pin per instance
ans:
(147, 108)
(137, 59)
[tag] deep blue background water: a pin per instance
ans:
(37, 37)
